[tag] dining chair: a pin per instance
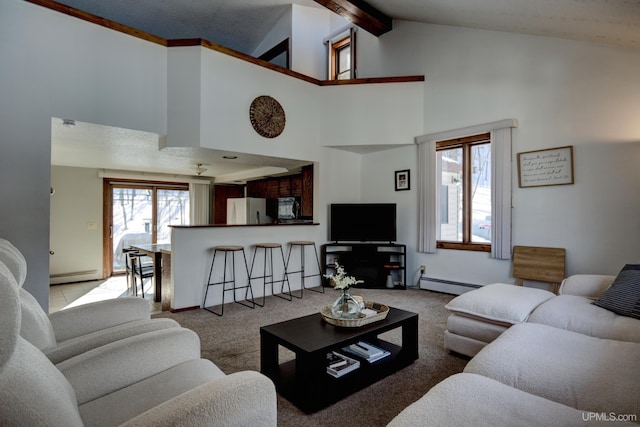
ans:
(141, 268)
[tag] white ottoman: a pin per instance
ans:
(480, 316)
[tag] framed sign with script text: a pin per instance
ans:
(553, 166)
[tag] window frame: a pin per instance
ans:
(108, 185)
(466, 144)
(336, 48)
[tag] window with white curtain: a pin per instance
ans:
(469, 169)
(341, 49)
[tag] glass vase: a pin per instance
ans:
(346, 306)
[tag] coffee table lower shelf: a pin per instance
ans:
(304, 380)
(326, 390)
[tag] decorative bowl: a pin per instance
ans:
(382, 310)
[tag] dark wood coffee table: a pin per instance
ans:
(304, 381)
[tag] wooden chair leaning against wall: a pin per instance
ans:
(539, 264)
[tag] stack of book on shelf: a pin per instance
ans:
(367, 351)
(339, 364)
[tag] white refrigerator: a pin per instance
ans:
(247, 210)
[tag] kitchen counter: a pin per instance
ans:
(192, 253)
(286, 222)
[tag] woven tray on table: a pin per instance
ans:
(382, 310)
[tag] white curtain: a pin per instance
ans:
(428, 212)
(501, 193)
(199, 204)
(429, 185)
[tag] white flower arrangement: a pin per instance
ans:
(341, 280)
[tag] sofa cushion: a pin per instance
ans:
(474, 328)
(14, 260)
(35, 326)
(499, 302)
(473, 400)
(623, 297)
(73, 347)
(129, 402)
(583, 372)
(32, 391)
(586, 285)
(463, 345)
(578, 314)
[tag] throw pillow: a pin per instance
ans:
(623, 297)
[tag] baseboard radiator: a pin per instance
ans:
(446, 286)
(73, 276)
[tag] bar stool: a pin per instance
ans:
(302, 244)
(226, 250)
(268, 253)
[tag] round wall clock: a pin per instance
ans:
(267, 116)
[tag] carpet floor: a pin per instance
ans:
(232, 342)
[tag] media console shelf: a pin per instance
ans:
(371, 262)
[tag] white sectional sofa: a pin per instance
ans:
(480, 316)
(541, 359)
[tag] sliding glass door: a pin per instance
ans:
(142, 213)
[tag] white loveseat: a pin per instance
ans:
(540, 360)
(71, 332)
(150, 379)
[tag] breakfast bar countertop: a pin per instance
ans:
(287, 223)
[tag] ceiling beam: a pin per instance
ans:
(360, 13)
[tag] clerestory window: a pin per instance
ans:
(341, 59)
(341, 49)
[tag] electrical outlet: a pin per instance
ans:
(423, 269)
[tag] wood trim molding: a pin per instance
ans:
(85, 16)
(477, 247)
(94, 19)
(106, 230)
(243, 56)
(371, 80)
(360, 13)
(277, 50)
(466, 131)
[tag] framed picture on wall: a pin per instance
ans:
(553, 166)
(402, 180)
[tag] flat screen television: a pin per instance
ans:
(362, 222)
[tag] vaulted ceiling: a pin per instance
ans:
(242, 24)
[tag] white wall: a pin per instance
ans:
(76, 218)
(562, 93)
(280, 31)
(198, 97)
(309, 55)
(305, 27)
(56, 66)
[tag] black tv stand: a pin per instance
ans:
(371, 262)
